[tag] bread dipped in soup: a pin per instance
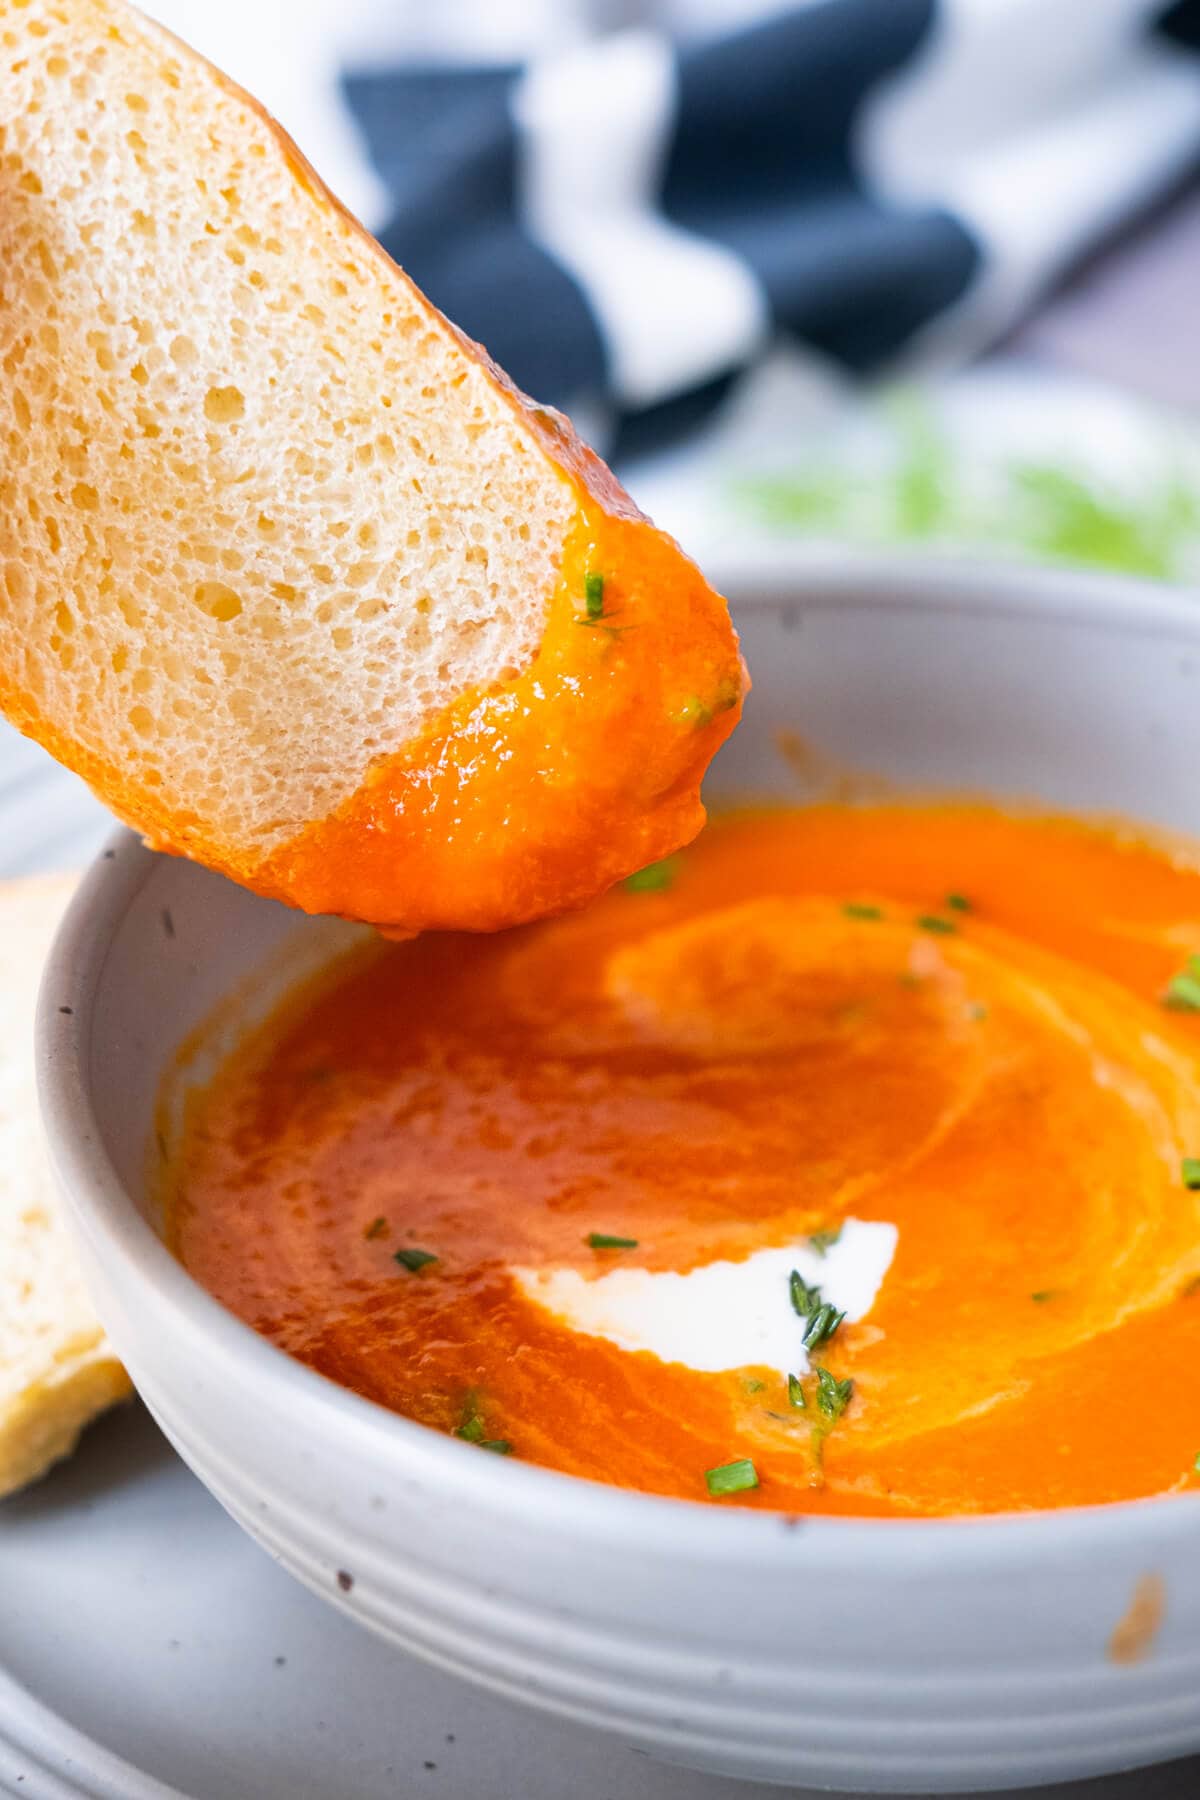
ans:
(291, 573)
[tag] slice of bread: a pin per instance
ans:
(288, 570)
(56, 1368)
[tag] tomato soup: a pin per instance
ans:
(848, 1163)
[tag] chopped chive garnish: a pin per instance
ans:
(821, 1319)
(933, 922)
(1043, 1294)
(732, 1478)
(655, 878)
(1196, 1464)
(753, 1385)
(471, 1429)
(412, 1260)
(822, 1241)
(694, 712)
(593, 594)
(1182, 993)
(805, 1300)
(376, 1228)
(1189, 1168)
(958, 903)
(728, 693)
(833, 1396)
(796, 1392)
(603, 1240)
(858, 909)
(821, 1325)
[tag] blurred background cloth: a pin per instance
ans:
(631, 204)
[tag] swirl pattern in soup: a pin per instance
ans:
(425, 1175)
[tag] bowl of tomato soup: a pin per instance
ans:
(759, 1314)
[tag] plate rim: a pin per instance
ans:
(54, 1753)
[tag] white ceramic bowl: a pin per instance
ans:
(882, 1655)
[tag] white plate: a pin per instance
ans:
(187, 1663)
(150, 1651)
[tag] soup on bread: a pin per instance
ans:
(847, 1163)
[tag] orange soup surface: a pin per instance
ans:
(848, 1163)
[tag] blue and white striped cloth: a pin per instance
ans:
(630, 222)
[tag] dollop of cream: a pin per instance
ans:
(722, 1315)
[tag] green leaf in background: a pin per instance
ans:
(928, 492)
(923, 481)
(1062, 517)
(795, 503)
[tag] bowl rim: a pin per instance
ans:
(109, 1221)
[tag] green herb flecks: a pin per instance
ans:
(604, 1240)
(1042, 1295)
(375, 1229)
(1196, 1464)
(752, 1385)
(593, 594)
(859, 909)
(731, 1478)
(805, 1299)
(958, 903)
(796, 1393)
(413, 1260)
(821, 1325)
(823, 1241)
(696, 712)
(1189, 1169)
(655, 878)
(821, 1319)
(693, 712)
(1182, 992)
(833, 1396)
(595, 615)
(935, 923)
(472, 1429)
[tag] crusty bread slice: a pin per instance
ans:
(56, 1368)
(275, 539)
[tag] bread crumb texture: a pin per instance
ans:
(56, 1368)
(262, 514)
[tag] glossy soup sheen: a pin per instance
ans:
(945, 1017)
